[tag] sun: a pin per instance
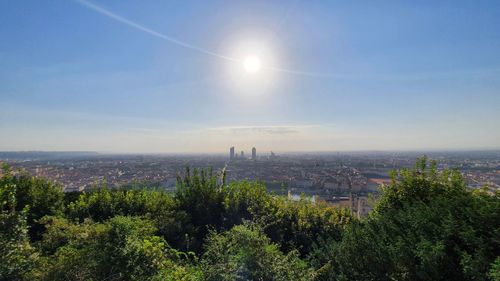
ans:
(252, 64)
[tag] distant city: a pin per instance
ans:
(333, 177)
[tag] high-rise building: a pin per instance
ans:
(254, 153)
(242, 154)
(231, 153)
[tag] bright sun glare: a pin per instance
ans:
(251, 64)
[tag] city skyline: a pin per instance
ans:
(234, 156)
(199, 77)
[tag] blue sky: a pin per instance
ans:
(154, 76)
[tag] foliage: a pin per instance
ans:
(245, 201)
(38, 196)
(200, 195)
(300, 225)
(122, 248)
(17, 257)
(102, 203)
(245, 253)
(494, 273)
(425, 226)
(210, 204)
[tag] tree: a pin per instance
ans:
(122, 248)
(17, 256)
(201, 196)
(426, 226)
(245, 253)
(300, 225)
(38, 196)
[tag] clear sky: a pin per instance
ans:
(167, 76)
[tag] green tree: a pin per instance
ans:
(201, 196)
(245, 253)
(39, 195)
(426, 226)
(494, 273)
(122, 248)
(17, 256)
(300, 225)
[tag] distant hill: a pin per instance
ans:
(44, 155)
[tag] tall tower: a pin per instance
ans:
(231, 153)
(242, 154)
(254, 153)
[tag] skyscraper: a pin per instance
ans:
(254, 153)
(242, 154)
(231, 153)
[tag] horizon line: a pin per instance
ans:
(486, 149)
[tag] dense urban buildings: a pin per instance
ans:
(345, 179)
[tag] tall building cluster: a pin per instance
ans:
(234, 156)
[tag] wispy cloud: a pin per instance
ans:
(182, 43)
(264, 130)
(149, 31)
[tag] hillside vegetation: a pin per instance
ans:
(425, 226)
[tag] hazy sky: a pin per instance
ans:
(166, 76)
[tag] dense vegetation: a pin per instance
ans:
(425, 226)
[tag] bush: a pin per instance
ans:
(17, 257)
(245, 253)
(38, 196)
(122, 248)
(426, 226)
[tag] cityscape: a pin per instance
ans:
(330, 177)
(249, 140)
